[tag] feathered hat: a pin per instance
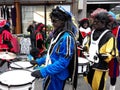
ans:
(97, 11)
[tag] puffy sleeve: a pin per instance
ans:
(60, 57)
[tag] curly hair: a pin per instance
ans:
(104, 18)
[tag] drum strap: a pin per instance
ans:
(48, 60)
(98, 40)
(47, 82)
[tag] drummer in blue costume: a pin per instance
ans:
(61, 58)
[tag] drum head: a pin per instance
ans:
(23, 64)
(82, 61)
(16, 78)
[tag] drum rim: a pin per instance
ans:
(19, 68)
(83, 63)
(4, 84)
(16, 85)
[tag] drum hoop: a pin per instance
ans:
(1, 83)
(21, 68)
(82, 64)
(16, 85)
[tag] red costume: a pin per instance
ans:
(113, 64)
(5, 37)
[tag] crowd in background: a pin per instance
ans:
(97, 35)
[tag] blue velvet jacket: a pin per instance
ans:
(61, 53)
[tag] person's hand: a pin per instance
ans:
(36, 74)
(33, 62)
(30, 57)
(84, 49)
(102, 56)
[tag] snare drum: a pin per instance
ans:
(16, 80)
(83, 65)
(21, 65)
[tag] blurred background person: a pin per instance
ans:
(84, 29)
(39, 48)
(5, 39)
(114, 64)
(31, 28)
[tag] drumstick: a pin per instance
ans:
(79, 48)
(21, 66)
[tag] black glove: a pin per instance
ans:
(33, 62)
(102, 56)
(36, 74)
